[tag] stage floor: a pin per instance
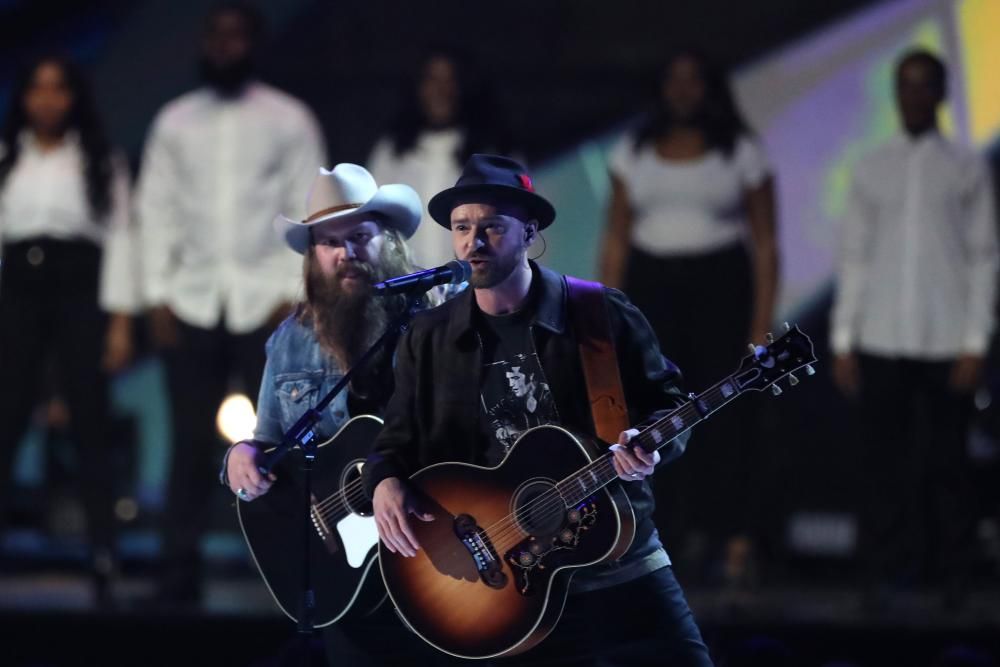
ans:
(50, 618)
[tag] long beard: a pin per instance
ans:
(349, 321)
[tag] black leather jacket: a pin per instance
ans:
(434, 414)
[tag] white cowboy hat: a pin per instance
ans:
(349, 190)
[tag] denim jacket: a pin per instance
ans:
(297, 375)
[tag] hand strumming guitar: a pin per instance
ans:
(393, 502)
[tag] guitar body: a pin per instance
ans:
(493, 570)
(343, 535)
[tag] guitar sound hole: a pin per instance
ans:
(539, 508)
(350, 483)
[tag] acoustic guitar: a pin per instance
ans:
(493, 570)
(342, 547)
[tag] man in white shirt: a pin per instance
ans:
(910, 327)
(220, 162)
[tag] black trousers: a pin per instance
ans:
(700, 308)
(645, 621)
(49, 313)
(919, 518)
(200, 371)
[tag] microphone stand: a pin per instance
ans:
(302, 435)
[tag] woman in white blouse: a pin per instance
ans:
(691, 240)
(445, 117)
(66, 280)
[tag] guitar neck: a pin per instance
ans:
(593, 477)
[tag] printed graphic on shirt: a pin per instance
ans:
(515, 397)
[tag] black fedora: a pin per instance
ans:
(497, 179)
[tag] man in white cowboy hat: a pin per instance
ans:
(353, 236)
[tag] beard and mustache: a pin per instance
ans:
(498, 267)
(347, 321)
(227, 79)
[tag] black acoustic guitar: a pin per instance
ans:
(492, 575)
(343, 549)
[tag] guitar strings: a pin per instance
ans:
(685, 412)
(553, 499)
(554, 503)
(642, 437)
(550, 497)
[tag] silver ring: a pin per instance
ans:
(242, 494)
(635, 474)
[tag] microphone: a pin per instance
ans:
(454, 272)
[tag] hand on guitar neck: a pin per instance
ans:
(393, 503)
(633, 464)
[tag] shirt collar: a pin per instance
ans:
(928, 138)
(549, 308)
(28, 143)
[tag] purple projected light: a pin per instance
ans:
(821, 104)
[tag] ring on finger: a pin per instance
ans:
(242, 494)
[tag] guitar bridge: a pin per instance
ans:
(488, 563)
(319, 524)
(322, 529)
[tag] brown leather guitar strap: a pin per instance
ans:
(589, 318)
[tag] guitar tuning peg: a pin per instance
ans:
(810, 370)
(792, 380)
(769, 337)
(776, 390)
(788, 327)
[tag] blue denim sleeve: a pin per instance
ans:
(268, 429)
(268, 411)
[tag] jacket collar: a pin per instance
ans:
(550, 310)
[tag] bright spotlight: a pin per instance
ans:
(236, 419)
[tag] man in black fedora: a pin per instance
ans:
(453, 368)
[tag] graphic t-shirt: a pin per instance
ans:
(514, 394)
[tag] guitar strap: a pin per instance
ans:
(589, 319)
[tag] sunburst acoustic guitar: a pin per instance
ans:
(492, 575)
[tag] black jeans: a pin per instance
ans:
(49, 312)
(645, 621)
(700, 308)
(919, 518)
(199, 373)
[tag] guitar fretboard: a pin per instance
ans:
(594, 476)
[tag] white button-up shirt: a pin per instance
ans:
(215, 173)
(919, 256)
(45, 196)
(429, 167)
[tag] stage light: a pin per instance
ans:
(126, 509)
(236, 419)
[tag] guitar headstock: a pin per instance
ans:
(780, 359)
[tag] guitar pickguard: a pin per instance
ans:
(359, 535)
(535, 554)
